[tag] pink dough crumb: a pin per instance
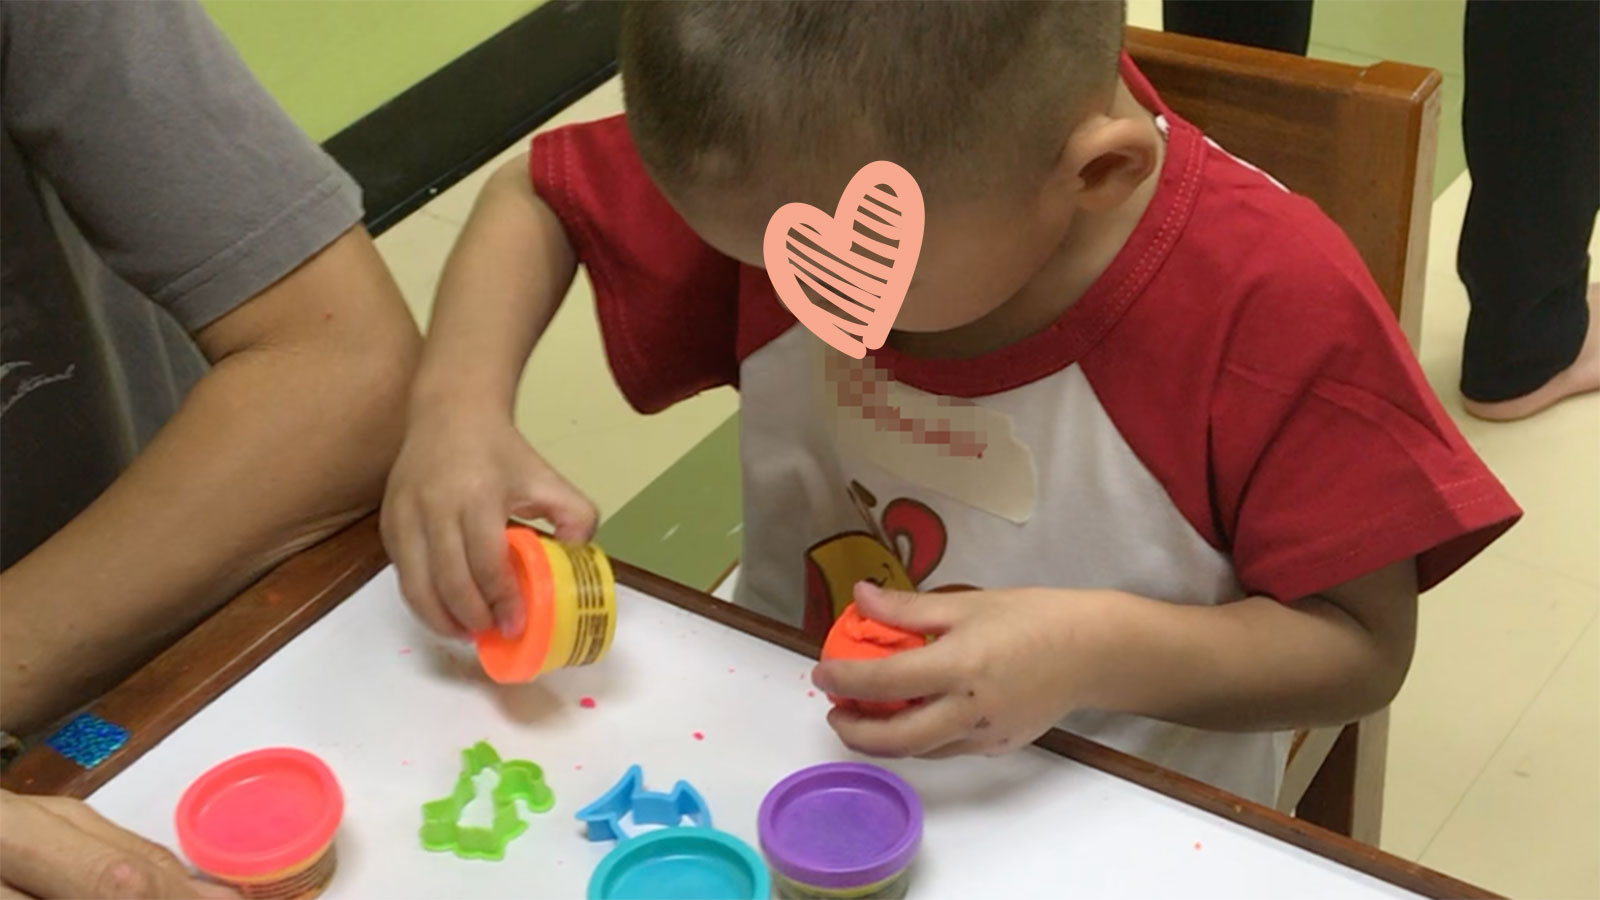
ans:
(811, 693)
(1198, 846)
(587, 703)
(405, 651)
(578, 767)
(405, 762)
(699, 735)
(730, 670)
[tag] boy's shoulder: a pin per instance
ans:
(1274, 258)
(1258, 372)
(1253, 278)
(1230, 241)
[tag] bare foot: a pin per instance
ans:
(1582, 377)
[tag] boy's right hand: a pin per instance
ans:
(459, 478)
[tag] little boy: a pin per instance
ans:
(1145, 449)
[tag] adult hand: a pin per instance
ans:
(53, 847)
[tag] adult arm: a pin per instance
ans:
(285, 441)
(190, 185)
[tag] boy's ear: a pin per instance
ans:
(1107, 159)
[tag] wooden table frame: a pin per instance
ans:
(157, 699)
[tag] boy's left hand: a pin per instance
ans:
(1006, 666)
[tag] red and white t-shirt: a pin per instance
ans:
(1230, 410)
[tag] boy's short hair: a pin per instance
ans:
(965, 95)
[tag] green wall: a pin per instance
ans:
(329, 62)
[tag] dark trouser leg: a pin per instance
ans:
(1531, 123)
(1283, 25)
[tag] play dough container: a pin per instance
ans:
(570, 597)
(263, 824)
(685, 863)
(841, 830)
(855, 636)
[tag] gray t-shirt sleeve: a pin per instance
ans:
(189, 180)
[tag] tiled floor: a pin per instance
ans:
(1494, 766)
(1494, 759)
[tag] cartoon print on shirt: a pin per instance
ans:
(899, 553)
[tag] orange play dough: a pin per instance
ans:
(855, 636)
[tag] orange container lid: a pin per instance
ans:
(519, 659)
(259, 813)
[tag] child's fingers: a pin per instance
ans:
(452, 581)
(904, 676)
(569, 512)
(927, 613)
(484, 534)
(955, 748)
(976, 745)
(918, 730)
(404, 539)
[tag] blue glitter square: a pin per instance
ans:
(88, 740)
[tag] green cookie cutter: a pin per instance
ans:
(519, 780)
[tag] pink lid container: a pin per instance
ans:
(264, 820)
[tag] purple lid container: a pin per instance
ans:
(841, 825)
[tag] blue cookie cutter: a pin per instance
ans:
(602, 819)
(88, 740)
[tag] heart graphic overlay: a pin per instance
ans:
(845, 276)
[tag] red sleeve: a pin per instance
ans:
(1331, 457)
(667, 302)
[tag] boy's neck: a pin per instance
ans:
(1091, 243)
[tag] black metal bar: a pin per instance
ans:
(452, 122)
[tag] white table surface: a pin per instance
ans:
(389, 707)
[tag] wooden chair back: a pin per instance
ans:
(1360, 141)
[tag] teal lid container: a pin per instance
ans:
(681, 864)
